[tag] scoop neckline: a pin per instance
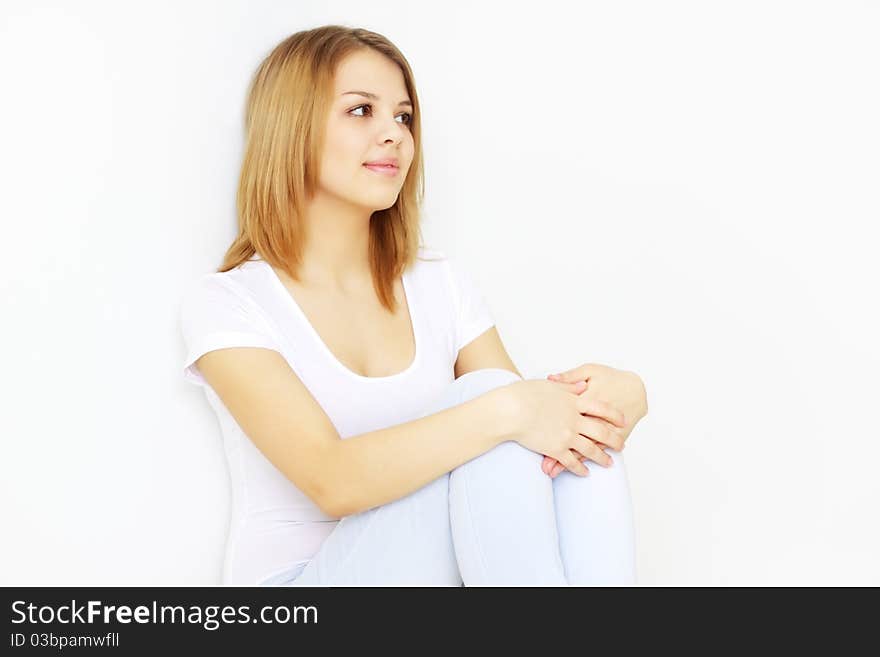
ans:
(338, 364)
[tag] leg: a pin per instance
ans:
(502, 510)
(596, 529)
(405, 542)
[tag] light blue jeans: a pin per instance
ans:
(496, 520)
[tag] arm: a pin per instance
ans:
(624, 390)
(343, 477)
(381, 466)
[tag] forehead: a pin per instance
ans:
(371, 71)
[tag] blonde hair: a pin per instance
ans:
(288, 99)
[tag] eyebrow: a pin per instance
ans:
(367, 94)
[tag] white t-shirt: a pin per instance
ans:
(274, 525)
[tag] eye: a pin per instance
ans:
(406, 114)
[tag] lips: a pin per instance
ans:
(383, 170)
(390, 161)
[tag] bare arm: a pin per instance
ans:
(343, 477)
(381, 466)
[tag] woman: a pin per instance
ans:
(377, 432)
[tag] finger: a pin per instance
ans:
(598, 408)
(573, 464)
(570, 381)
(592, 451)
(577, 387)
(556, 467)
(600, 431)
(549, 465)
(559, 467)
(580, 372)
(579, 383)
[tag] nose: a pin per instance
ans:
(393, 132)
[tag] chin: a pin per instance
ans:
(385, 206)
(383, 201)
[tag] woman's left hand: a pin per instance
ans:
(622, 389)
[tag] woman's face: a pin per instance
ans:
(362, 129)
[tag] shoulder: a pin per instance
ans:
(213, 285)
(216, 295)
(430, 254)
(439, 256)
(450, 269)
(432, 264)
(233, 283)
(439, 260)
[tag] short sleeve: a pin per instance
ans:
(472, 313)
(215, 315)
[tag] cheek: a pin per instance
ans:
(344, 145)
(345, 154)
(340, 164)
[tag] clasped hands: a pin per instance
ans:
(623, 390)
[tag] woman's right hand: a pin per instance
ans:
(553, 418)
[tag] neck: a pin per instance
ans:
(336, 253)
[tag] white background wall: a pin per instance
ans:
(685, 189)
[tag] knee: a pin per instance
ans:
(434, 491)
(509, 455)
(506, 462)
(470, 385)
(477, 382)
